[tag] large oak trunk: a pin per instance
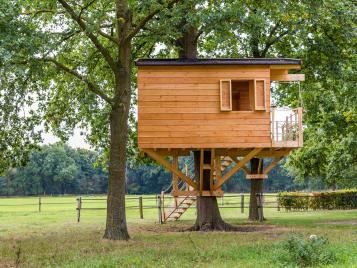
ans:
(208, 215)
(256, 187)
(116, 227)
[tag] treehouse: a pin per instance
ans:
(218, 105)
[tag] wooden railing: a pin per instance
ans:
(286, 127)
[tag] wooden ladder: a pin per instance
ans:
(180, 204)
(178, 207)
(225, 162)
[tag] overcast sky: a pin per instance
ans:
(76, 141)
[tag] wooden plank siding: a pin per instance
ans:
(179, 107)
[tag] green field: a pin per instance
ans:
(53, 238)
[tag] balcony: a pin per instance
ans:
(286, 128)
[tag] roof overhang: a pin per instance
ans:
(237, 61)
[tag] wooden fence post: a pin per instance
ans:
(277, 203)
(141, 207)
(39, 204)
(242, 203)
(162, 200)
(79, 207)
(159, 208)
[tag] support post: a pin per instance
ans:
(174, 176)
(39, 204)
(201, 170)
(242, 203)
(141, 207)
(212, 169)
(79, 207)
(186, 173)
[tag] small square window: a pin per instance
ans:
(242, 95)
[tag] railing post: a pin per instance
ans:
(141, 207)
(79, 207)
(301, 139)
(39, 204)
(242, 203)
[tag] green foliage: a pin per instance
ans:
(299, 252)
(56, 169)
(343, 199)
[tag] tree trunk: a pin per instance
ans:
(187, 43)
(256, 187)
(116, 227)
(208, 215)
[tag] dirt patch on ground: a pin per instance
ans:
(7, 264)
(164, 228)
(349, 222)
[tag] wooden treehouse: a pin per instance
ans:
(218, 105)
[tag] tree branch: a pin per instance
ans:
(142, 23)
(111, 38)
(271, 41)
(90, 35)
(91, 86)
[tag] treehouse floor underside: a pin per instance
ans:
(217, 166)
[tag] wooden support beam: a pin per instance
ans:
(246, 170)
(202, 154)
(288, 77)
(272, 165)
(174, 176)
(168, 166)
(256, 176)
(239, 165)
(212, 169)
(218, 192)
(260, 164)
(218, 168)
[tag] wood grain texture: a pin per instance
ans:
(180, 107)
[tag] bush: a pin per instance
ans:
(343, 199)
(299, 252)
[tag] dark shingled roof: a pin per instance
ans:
(240, 61)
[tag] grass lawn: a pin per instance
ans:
(53, 238)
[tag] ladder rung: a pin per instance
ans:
(206, 166)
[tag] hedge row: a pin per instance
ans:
(343, 199)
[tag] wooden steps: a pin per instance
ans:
(178, 207)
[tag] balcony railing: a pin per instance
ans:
(286, 127)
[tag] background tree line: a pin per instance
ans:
(60, 169)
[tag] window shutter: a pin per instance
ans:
(259, 94)
(226, 95)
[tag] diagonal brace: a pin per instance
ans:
(154, 155)
(238, 166)
(272, 165)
